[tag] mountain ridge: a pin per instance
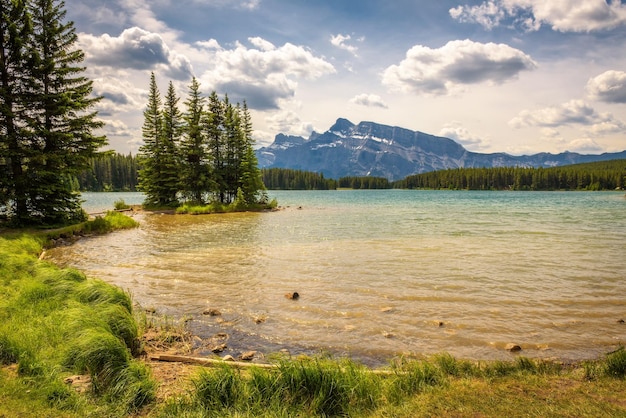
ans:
(373, 149)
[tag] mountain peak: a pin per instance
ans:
(342, 125)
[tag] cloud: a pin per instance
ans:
(574, 112)
(560, 15)
(369, 100)
(488, 14)
(584, 146)
(461, 135)
(440, 71)
(119, 95)
(339, 41)
(210, 44)
(135, 49)
(609, 87)
(264, 75)
(288, 122)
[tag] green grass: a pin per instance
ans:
(57, 322)
(439, 386)
(216, 207)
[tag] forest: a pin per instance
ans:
(116, 172)
(602, 175)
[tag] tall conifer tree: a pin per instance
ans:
(56, 120)
(151, 152)
(213, 126)
(15, 33)
(194, 155)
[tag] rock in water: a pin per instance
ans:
(512, 347)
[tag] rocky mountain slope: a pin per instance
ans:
(371, 149)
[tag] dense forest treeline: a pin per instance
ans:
(116, 172)
(602, 175)
(110, 172)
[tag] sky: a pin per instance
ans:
(514, 76)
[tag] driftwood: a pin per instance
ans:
(203, 361)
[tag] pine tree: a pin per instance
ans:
(15, 33)
(213, 127)
(60, 118)
(149, 153)
(172, 132)
(251, 179)
(194, 156)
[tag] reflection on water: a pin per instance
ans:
(386, 272)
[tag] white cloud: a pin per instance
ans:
(574, 112)
(584, 146)
(560, 15)
(440, 71)
(340, 41)
(119, 95)
(262, 44)
(263, 76)
(609, 87)
(455, 131)
(288, 122)
(488, 14)
(136, 49)
(369, 100)
(210, 44)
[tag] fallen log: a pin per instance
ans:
(203, 361)
(210, 362)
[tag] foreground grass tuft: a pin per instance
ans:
(56, 322)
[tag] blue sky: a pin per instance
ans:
(516, 76)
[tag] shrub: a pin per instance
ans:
(120, 205)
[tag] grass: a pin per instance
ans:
(216, 207)
(55, 323)
(438, 386)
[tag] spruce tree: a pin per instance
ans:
(195, 162)
(251, 178)
(151, 152)
(15, 33)
(60, 115)
(213, 127)
(172, 132)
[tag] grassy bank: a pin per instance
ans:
(56, 324)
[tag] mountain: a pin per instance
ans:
(371, 149)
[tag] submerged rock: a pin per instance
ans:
(212, 312)
(247, 356)
(512, 347)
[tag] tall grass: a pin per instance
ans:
(56, 322)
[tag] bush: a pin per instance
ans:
(120, 205)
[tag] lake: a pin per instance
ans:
(382, 273)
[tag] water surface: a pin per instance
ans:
(385, 272)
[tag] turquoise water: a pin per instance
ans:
(384, 272)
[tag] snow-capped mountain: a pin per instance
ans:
(371, 149)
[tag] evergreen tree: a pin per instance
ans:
(55, 122)
(15, 33)
(194, 156)
(172, 132)
(155, 173)
(251, 179)
(213, 127)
